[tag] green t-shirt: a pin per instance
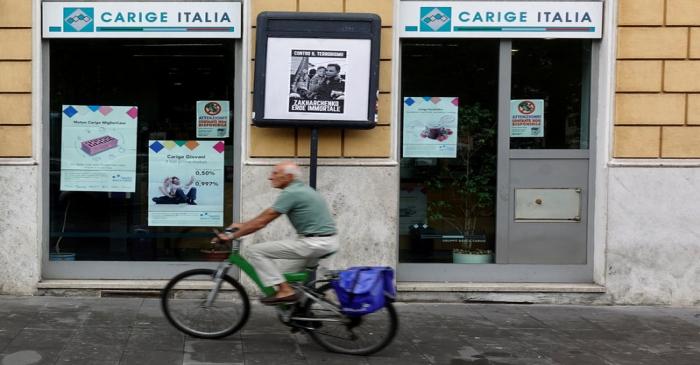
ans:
(305, 208)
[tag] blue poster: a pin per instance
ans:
(98, 148)
(430, 126)
(186, 183)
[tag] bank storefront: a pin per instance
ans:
(142, 109)
(480, 168)
(498, 118)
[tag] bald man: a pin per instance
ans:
(308, 213)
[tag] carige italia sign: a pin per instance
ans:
(502, 19)
(141, 20)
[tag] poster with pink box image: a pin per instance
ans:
(98, 148)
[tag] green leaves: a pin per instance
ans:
(463, 189)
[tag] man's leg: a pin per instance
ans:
(263, 255)
(180, 196)
(164, 200)
(192, 195)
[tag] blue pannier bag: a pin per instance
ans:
(364, 289)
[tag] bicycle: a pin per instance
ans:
(216, 305)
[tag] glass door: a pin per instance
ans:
(449, 91)
(496, 186)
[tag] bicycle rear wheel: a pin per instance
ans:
(350, 335)
(184, 303)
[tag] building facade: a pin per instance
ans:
(550, 145)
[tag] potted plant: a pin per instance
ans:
(464, 188)
(470, 251)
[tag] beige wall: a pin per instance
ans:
(657, 111)
(289, 142)
(15, 78)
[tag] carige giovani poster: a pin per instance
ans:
(185, 183)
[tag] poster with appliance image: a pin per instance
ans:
(317, 81)
(185, 183)
(527, 118)
(98, 148)
(430, 126)
(212, 118)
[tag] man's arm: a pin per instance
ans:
(253, 225)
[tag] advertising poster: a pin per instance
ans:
(98, 148)
(185, 183)
(212, 118)
(527, 118)
(430, 126)
(317, 81)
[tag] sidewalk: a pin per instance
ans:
(55, 330)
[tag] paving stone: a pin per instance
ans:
(27, 356)
(150, 314)
(112, 318)
(164, 339)
(88, 353)
(584, 335)
(681, 358)
(58, 319)
(315, 355)
(138, 357)
(573, 356)
(42, 338)
(253, 343)
(109, 336)
(214, 351)
(622, 352)
(4, 341)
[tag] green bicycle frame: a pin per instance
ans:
(246, 267)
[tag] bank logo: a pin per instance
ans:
(78, 19)
(435, 19)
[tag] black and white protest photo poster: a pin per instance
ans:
(317, 81)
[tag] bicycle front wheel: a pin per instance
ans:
(185, 303)
(349, 335)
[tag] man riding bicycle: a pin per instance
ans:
(308, 213)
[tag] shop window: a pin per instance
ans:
(164, 79)
(448, 170)
(553, 73)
